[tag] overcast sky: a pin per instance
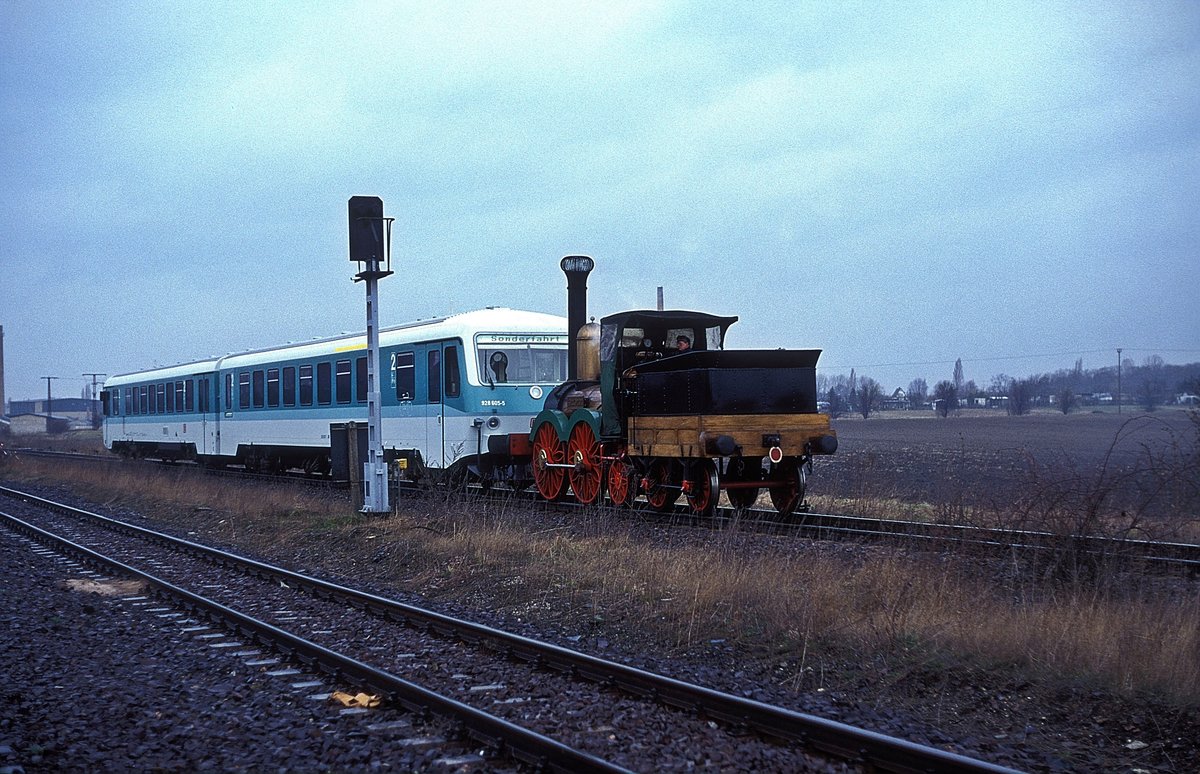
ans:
(901, 185)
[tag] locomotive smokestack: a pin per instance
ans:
(577, 268)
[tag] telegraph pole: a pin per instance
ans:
(1118, 380)
(95, 397)
(49, 403)
(370, 248)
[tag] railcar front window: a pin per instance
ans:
(528, 364)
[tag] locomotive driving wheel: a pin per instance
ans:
(622, 482)
(587, 477)
(548, 450)
(661, 490)
(787, 497)
(705, 489)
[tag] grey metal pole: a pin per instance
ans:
(375, 470)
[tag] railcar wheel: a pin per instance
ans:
(787, 498)
(705, 489)
(547, 449)
(659, 490)
(587, 477)
(622, 483)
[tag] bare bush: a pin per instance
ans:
(1081, 520)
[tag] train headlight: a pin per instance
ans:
(535, 392)
(493, 422)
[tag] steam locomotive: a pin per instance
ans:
(638, 416)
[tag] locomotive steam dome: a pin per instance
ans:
(587, 351)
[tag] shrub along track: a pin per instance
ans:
(464, 662)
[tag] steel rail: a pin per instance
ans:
(520, 743)
(862, 746)
(1185, 555)
(822, 525)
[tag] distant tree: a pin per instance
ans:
(852, 392)
(869, 394)
(1067, 400)
(958, 376)
(999, 385)
(968, 392)
(837, 404)
(1153, 388)
(918, 393)
(945, 397)
(1020, 396)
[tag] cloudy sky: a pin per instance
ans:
(1013, 184)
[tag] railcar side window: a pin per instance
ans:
(360, 380)
(406, 376)
(189, 396)
(435, 376)
(171, 397)
(272, 387)
(306, 385)
(289, 386)
(453, 374)
(202, 388)
(128, 400)
(343, 381)
(244, 390)
(162, 398)
(144, 399)
(228, 392)
(324, 383)
(259, 389)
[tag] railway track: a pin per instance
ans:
(1152, 555)
(541, 704)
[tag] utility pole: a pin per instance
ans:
(49, 401)
(92, 416)
(1118, 380)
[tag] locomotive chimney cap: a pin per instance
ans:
(577, 264)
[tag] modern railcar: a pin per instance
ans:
(447, 385)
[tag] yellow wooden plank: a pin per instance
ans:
(681, 436)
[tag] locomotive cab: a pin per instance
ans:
(633, 342)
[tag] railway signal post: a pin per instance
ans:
(370, 248)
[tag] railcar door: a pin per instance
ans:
(205, 406)
(444, 394)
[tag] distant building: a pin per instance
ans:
(78, 411)
(37, 424)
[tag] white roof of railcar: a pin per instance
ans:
(464, 326)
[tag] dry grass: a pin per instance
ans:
(796, 603)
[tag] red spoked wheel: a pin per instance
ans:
(661, 490)
(704, 489)
(547, 449)
(787, 497)
(587, 477)
(622, 482)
